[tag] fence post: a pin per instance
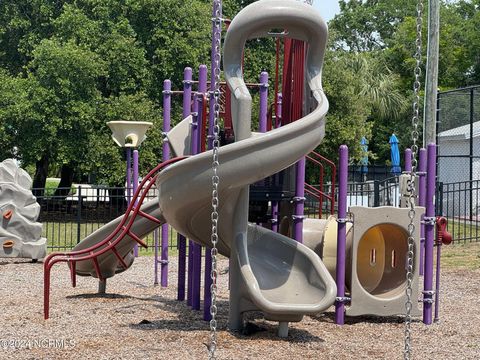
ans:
(79, 212)
(376, 193)
(439, 199)
(472, 119)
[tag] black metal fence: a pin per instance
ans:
(362, 173)
(370, 193)
(67, 220)
(459, 203)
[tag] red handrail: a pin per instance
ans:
(319, 160)
(110, 242)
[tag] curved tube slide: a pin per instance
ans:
(269, 272)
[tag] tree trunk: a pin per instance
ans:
(40, 177)
(66, 179)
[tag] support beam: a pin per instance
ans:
(431, 75)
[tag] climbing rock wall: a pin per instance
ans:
(20, 234)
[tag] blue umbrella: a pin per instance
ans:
(364, 159)
(395, 155)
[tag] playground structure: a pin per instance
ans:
(364, 250)
(20, 233)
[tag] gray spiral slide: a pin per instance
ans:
(268, 272)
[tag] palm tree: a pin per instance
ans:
(379, 86)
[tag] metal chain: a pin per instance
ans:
(413, 173)
(217, 19)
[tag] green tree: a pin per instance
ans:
(364, 25)
(66, 76)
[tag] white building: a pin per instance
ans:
(454, 167)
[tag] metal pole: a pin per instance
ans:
(135, 186)
(437, 282)
(278, 112)
(196, 148)
(408, 160)
(193, 105)
(299, 200)
(167, 106)
(193, 291)
(155, 256)
(429, 235)
(278, 123)
(341, 235)
(472, 112)
(262, 121)
(202, 89)
(422, 197)
(181, 241)
(129, 174)
(431, 75)
(79, 213)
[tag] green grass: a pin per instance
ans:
(455, 256)
(461, 256)
(462, 230)
(60, 234)
(52, 184)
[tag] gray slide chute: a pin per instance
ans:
(268, 272)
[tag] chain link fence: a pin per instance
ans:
(458, 135)
(458, 168)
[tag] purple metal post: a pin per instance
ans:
(135, 186)
(278, 111)
(429, 234)
(262, 121)
(299, 200)
(274, 219)
(437, 281)
(156, 261)
(181, 241)
(408, 160)
(341, 234)
(278, 123)
(194, 126)
(202, 89)
(422, 196)
(193, 291)
(196, 148)
(129, 174)
(167, 106)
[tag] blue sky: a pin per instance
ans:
(327, 8)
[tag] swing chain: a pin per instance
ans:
(217, 19)
(412, 190)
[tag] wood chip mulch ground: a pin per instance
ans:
(136, 320)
